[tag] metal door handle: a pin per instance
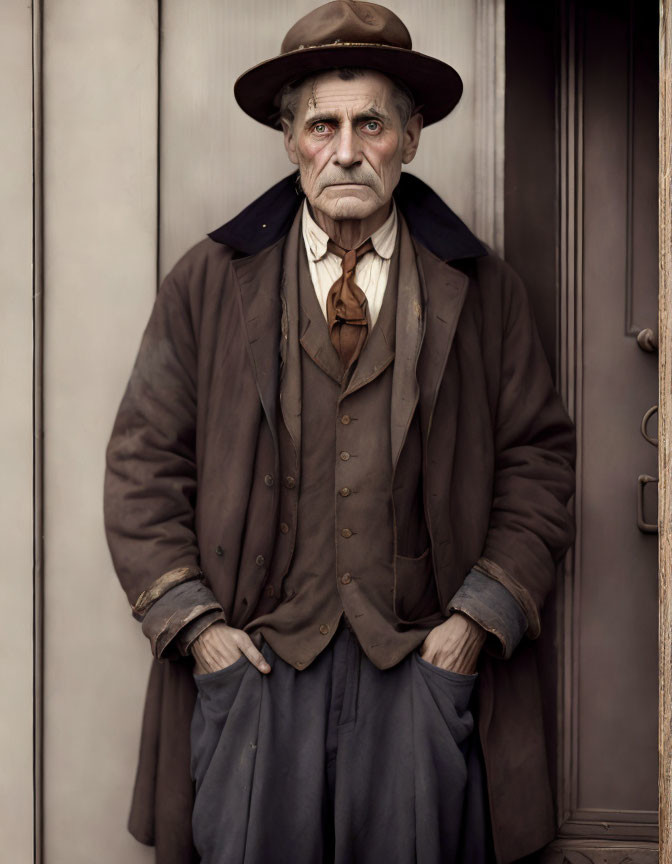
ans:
(644, 527)
(647, 340)
(645, 422)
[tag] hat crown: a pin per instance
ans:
(347, 22)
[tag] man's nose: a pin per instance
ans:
(347, 147)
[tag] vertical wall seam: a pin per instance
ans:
(489, 117)
(38, 450)
(159, 52)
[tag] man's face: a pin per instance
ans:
(349, 144)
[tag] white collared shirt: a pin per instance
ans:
(371, 271)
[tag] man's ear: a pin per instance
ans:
(411, 138)
(290, 141)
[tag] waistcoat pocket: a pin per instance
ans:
(414, 595)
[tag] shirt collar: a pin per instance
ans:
(316, 239)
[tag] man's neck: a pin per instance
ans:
(351, 233)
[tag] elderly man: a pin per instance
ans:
(336, 497)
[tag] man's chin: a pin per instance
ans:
(341, 203)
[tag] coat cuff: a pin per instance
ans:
(190, 632)
(172, 612)
(160, 586)
(492, 606)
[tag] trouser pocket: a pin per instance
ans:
(451, 693)
(443, 737)
(216, 695)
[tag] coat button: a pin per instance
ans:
(346, 578)
(345, 456)
(290, 482)
(324, 629)
(345, 419)
(344, 492)
(284, 528)
(269, 591)
(260, 560)
(268, 480)
(219, 551)
(346, 532)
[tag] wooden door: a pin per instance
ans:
(597, 170)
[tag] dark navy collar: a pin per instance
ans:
(429, 219)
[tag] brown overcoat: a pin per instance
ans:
(196, 436)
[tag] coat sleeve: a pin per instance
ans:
(492, 606)
(531, 523)
(150, 479)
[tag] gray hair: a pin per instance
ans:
(289, 95)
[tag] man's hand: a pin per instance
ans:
(455, 644)
(219, 646)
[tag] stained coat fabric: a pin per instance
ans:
(196, 436)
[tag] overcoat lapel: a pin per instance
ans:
(294, 269)
(258, 278)
(444, 290)
(408, 340)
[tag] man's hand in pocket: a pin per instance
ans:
(455, 644)
(219, 646)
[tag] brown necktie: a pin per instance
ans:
(347, 314)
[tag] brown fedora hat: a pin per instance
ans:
(349, 33)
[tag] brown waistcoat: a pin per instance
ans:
(335, 549)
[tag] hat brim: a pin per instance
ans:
(435, 85)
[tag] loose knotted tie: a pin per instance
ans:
(347, 313)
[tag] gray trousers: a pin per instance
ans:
(341, 763)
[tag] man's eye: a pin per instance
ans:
(372, 126)
(320, 128)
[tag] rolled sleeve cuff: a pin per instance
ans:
(190, 633)
(172, 612)
(492, 606)
(160, 586)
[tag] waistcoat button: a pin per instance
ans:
(268, 480)
(284, 528)
(346, 532)
(344, 492)
(346, 578)
(260, 560)
(219, 551)
(345, 456)
(345, 419)
(290, 482)
(324, 629)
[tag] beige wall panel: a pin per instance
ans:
(215, 159)
(100, 121)
(16, 454)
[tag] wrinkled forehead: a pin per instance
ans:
(329, 93)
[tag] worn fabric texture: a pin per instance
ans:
(193, 462)
(314, 748)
